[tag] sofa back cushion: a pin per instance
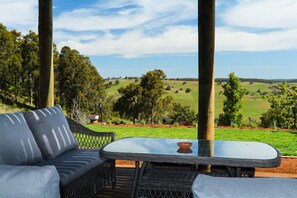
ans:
(51, 131)
(17, 144)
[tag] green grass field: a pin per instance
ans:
(284, 141)
(254, 103)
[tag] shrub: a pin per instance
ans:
(267, 119)
(182, 114)
(168, 88)
(116, 121)
(176, 91)
(188, 90)
(176, 124)
(107, 85)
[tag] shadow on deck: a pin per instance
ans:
(123, 187)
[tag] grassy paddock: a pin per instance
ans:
(254, 103)
(284, 141)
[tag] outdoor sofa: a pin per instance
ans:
(45, 154)
(205, 186)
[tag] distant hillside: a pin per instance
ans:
(259, 80)
(254, 103)
(223, 79)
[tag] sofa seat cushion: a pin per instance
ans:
(74, 164)
(17, 144)
(51, 131)
(29, 182)
(226, 187)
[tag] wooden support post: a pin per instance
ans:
(45, 31)
(206, 40)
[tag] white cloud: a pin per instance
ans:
(19, 14)
(175, 39)
(145, 13)
(258, 25)
(262, 14)
(145, 27)
(228, 39)
(151, 27)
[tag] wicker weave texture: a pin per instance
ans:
(98, 178)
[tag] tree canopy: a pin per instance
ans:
(232, 105)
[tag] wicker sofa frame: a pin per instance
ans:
(98, 178)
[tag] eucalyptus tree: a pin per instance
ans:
(9, 60)
(30, 66)
(152, 93)
(15, 66)
(129, 103)
(77, 79)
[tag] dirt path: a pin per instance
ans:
(288, 168)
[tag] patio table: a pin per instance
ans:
(233, 154)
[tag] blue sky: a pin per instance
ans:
(254, 38)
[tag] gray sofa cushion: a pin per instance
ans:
(51, 131)
(74, 164)
(29, 182)
(17, 144)
(224, 187)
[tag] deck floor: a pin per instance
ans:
(123, 187)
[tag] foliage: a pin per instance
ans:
(117, 121)
(182, 114)
(10, 62)
(30, 66)
(233, 91)
(188, 90)
(146, 100)
(79, 80)
(152, 91)
(129, 104)
(168, 88)
(281, 112)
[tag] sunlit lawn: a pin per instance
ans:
(284, 141)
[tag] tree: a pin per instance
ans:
(30, 66)
(188, 90)
(182, 114)
(129, 103)
(281, 112)
(7, 48)
(146, 100)
(152, 91)
(78, 79)
(232, 105)
(14, 65)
